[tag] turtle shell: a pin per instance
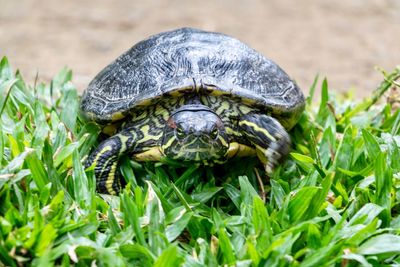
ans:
(191, 59)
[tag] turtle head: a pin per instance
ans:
(195, 133)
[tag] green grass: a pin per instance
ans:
(335, 201)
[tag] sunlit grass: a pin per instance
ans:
(335, 202)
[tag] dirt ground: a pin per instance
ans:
(342, 40)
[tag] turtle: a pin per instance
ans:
(191, 96)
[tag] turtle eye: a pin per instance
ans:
(214, 133)
(179, 133)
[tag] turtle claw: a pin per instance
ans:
(272, 157)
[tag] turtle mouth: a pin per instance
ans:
(196, 150)
(197, 155)
(198, 144)
(199, 150)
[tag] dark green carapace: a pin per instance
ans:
(191, 95)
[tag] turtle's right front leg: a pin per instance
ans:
(105, 160)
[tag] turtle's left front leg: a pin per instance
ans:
(271, 140)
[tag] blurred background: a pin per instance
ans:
(342, 40)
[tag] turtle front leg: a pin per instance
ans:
(271, 140)
(105, 160)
